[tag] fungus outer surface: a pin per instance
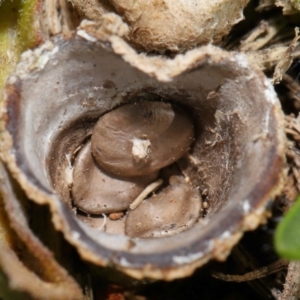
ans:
(167, 25)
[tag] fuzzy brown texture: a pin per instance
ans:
(167, 25)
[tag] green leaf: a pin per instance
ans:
(287, 235)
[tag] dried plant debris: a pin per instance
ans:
(289, 93)
(57, 16)
(292, 90)
(289, 7)
(292, 283)
(261, 35)
(286, 60)
(293, 155)
(258, 273)
(267, 45)
(265, 37)
(265, 5)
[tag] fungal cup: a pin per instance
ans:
(165, 25)
(234, 162)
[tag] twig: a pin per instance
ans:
(259, 273)
(150, 188)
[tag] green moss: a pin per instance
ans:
(17, 32)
